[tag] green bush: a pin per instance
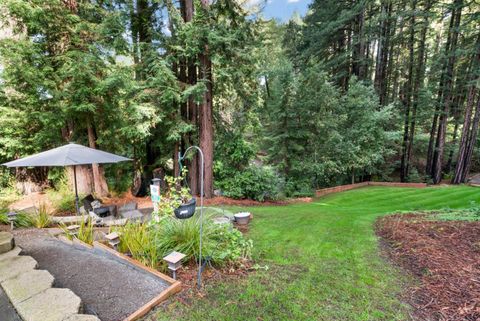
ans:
(3, 216)
(8, 195)
(223, 244)
(150, 243)
(255, 182)
(21, 219)
(62, 196)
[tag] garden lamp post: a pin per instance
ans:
(180, 158)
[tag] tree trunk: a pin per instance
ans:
(468, 137)
(404, 166)
(447, 97)
(85, 184)
(191, 112)
(206, 116)
(419, 78)
(471, 142)
(383, 47)
(99, 181)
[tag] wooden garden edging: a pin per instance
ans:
(342, 188)
(174, 287)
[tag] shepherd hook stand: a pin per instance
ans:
(180, 158)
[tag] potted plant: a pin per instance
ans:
(186, 209)
(177, 200)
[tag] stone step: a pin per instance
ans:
(26, 285)
(15, 252)
(7, 242)
(13, 266)
(51, 305)
(82, 317)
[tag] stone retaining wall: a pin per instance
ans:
(342, 188)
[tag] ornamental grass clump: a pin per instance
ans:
(138, 240)
(23, 220)
(85, 231)
(42, 218)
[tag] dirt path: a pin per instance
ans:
(108, 288)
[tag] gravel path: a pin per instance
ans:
(109, 289)
(7, 311)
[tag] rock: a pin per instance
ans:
(13, 266)
(133, 215)
(50, 305)
(81, 317)
(7, 242)
(26, 285)
(16, 251)
(128, 207)
(68, 219)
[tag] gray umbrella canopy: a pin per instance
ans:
(67, 155)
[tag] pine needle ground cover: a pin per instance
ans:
(324, 260)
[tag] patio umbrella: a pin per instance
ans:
(68, 155)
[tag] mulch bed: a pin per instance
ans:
(445, 256)
(144, 202)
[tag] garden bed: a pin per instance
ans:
(444, 256)
(111, 287)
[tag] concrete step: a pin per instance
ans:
(26, 285)
(7, 243)
(50, 305)
(13, 266)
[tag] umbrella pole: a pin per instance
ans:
(76, 191)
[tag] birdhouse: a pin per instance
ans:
(174, 261)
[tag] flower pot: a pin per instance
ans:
(242, 218)
(186, 210)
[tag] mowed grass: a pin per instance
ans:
(324, 260)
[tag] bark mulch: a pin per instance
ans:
(445, 256)
(145, 202)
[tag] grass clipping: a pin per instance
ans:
(445, 256)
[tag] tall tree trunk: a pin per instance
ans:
(192, 107)
(380, 79)
(99, 181)
(471, 142)
(404, 166)
(436, 113)
(469, 130)
(206, 115)
(447, 97)
(418, 84)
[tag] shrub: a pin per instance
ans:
(3, 217)
(173, 196)
(223, 244)
(255, 182)
(8, 195)
(62, 197)
(150, 243)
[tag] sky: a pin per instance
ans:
(283, 9)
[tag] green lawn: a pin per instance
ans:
(323, 258)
